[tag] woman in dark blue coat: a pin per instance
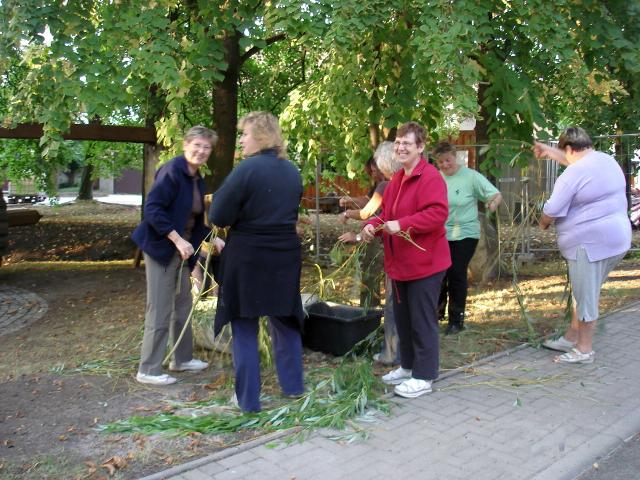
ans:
(172, 230)
(261, 262)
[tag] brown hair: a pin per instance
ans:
(443, 148)
(416, 129)
(576, 138)
(265, 129)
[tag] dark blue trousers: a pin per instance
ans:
(287, 350)
(414, 309)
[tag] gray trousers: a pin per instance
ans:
(165, 309)
(390, 352)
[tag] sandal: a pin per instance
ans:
(575, 356)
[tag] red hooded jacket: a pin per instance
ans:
(419, 202)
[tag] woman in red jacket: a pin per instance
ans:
(416, 256)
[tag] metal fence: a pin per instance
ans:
(525, 189)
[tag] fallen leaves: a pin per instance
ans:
(113, 464)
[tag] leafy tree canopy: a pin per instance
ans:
(342, 75)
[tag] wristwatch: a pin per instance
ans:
(358, 238)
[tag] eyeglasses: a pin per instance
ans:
(403, 144)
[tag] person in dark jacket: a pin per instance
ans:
(261, 262)
(416, 256)
(172, 230)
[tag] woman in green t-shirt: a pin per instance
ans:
(465, 188)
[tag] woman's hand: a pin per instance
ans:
(545, 221)
(185, 249)
(301, 224)
(493, 202)
(345, 201)
(344, 217)
(542, 150)
(218, 244)
(368, 233)
(348, 237)
(392, 227)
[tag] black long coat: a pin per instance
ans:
(261, 262)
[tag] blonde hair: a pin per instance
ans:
(265, 129)
(386, 159)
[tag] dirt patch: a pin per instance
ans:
(50, 407)
(76, 231)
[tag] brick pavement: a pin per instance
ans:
(517, 415)
(19, 308)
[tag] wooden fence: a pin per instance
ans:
(332, 190)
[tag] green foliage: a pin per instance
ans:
(343, 75)
(363, 81)
(352, 391)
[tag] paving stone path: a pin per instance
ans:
(19, 308)
(517, 415)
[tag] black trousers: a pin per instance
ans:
(455, 285)
(414, 309)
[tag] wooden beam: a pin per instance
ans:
(104, 133)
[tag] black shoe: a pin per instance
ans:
(454, 328)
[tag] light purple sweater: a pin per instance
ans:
(590, 208)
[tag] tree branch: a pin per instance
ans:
(253, 50)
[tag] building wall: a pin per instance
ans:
(129, 182)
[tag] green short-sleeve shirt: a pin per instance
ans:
(465, 189)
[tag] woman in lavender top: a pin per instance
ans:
(589, 208)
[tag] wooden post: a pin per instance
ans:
(151, 157)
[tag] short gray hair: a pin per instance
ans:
(386, 159)
(576, 138)
(203, 132)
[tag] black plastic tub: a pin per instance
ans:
(335, 329)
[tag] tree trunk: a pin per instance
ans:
(86, 184)
(151, 151)
(150, 159)
(225, 115)
(4, 227)
(484, 264)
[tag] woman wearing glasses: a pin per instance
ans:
(416, 255)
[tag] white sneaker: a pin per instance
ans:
(193, 365)
(394, 377)
(162, 379)
(559, 344)
(413, 388)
